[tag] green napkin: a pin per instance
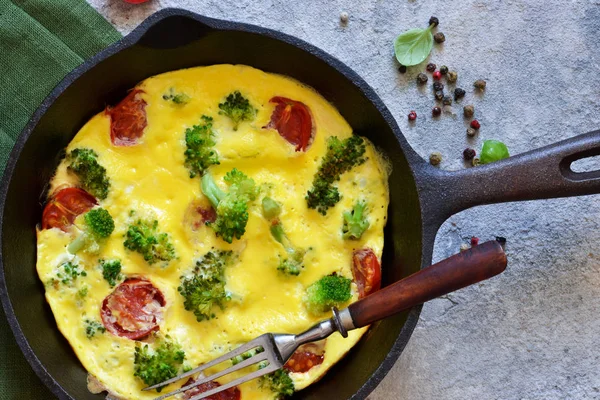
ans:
(40, 42)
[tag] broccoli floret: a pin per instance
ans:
(111, 271)
(327, 292)
(98, 225)
(204, 289)
(238, 108)
(177, 98)
(355, 222)
(292, 264)
(83, 291)
(249, 354)
(67, 273)
(271, 208)
(279, 382)
(158, 365)
(199, 153)
(143, 237)
(92, 175)
(93, 327)
(341, 156)
(231, 207)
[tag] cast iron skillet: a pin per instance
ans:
(422, 197)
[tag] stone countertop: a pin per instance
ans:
(533, 332)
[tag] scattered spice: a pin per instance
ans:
(344, 17)
(434, 21)
(479, 84)
(439, 94)
(451, 76)
(437, 75)
(447, 100)
(469, 154)
(464, 247)
(412, 115)
(444, 70)
(422, 78)
(436, 111)
(475, 124)
(438, 86)
(474, 241)
(475, 162)
(439, 37)
(430, 67)
(501, 240)
(459, 93)
(471, 132)
(468, 111)
(435, 158)
(402, 69)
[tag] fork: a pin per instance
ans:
(273, 350)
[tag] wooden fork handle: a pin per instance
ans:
(466, 268)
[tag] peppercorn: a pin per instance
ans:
(402, 69)
(434, 21)
(422, 78)
(475, 162)
(430, 67)
(438, 86)
(435, 158)
(501, 240)
(437, 75)
(439, 94)
(444, 70)
(459, 93)
(475, 124)
(412, 115)
(469, 154)
(344, 17)
(464, 247)
(451, 76)
(479, 84)
(447, 100)
(439, 37)
(474, 241)
(468, 111)
(471, 132)
(436, 111)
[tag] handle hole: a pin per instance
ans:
(587, 164)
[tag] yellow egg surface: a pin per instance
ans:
(150, 180)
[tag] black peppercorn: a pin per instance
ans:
(469, 154)
(439, 94)
(443, 70)
(402, 69)
(438, 86)
(439, 37)
(447, 100)
(422, 78)
(501, 240)
(436, 111)
(459, 93)
(434, 21)
(431, 67)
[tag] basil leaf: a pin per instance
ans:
(413, 46)
(493, 150)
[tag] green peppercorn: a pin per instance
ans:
(451, 76)
(434, 21)
(447, 100)
(443, 70)
(479, 84)
(459, 93)
(435, 158)
(439, 95)
(438, 86)
(422, 78)
(439, 37)
(475, 162)
(468, 111)
(471, 132)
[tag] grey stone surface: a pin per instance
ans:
(534, 332)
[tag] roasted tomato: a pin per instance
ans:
(133, 309)
(293, 121)
(65, 206)
(307, 356)
(228, 394)
(128, 119)
(367, 271)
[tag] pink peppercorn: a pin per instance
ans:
(437, 75)
(475, 124)
(412, 115)
(474, 241)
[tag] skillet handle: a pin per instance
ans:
(466, 268)
(539, 174)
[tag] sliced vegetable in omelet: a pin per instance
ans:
(211, 205)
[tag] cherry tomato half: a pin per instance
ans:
(293, 121)
(62, 209)
(304, 359)
(228, 394)
(128, 119)
(367, 271)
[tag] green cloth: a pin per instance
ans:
(40, 42)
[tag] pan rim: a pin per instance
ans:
(131, 39)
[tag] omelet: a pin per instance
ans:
(126, 295)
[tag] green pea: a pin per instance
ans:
(493, 150)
